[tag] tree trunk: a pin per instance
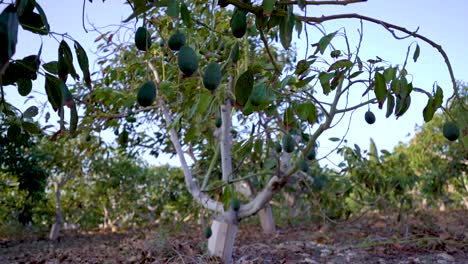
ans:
(221, 243)
(55, 230)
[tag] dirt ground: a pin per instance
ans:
(438, 237)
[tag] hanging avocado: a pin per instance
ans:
(451, 131)
(288, 143)
(278, 147)
(303, 166)
(212, 76)
(369, 117)
(239, 23)
(146, 94)
(207, 232)
(187, 60)
(142, 39)
(235, 204)
(176, 41)
(218, 122)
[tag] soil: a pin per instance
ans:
(429, 237)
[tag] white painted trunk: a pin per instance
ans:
(55, 230)
(266, 220)
(221, 243)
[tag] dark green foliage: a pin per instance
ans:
(212, 76)
(451, 131)
(187, 60)
(176, 41)
(239, 23)
(146, 94)
(369, 117)
(288, 143)
(20, 160)
(223, 3)
(142, 39)
(8, 33)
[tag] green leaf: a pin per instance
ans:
(334, 139)
(83, 62)
(390, 74)
(355, 74)
(286, 28)
(380, 87)
(416, 53)
(429, 110)
(325, 78)
(54, 91)
(390, 105)
(43, 17)
(307, 112)
(8, 33)
(268, 7)
(402, 106)
(243, 87)
(66, 54)
(20, 7)
(173, 8)
(51, 67)
(340, 64)
(325, 41)
(24, 86)
(185, 14)
(31, 128)
(438, 97)
(73, 120)
(31, 112)
(137, 12)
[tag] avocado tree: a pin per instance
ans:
(439, 163)
(219, 85)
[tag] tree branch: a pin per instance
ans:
(390, 26)
(344, 2)
(192, 186)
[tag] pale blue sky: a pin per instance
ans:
(442, 21)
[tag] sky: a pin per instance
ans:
(442, 21)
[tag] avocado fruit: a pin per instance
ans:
(369, 117)
(451, 131)
(146, 94)
(187, 60)
(142, 39)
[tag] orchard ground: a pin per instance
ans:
(424, 237)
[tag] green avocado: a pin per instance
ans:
(311, 154)
(451, 131)
(187, 60)
(218, 122)
(207, 232)
(176, 41)
(303, 166)
(239, 23)
(235, 204)
(142, 39)
(288, 143)
(146, 94)
(123, 138)
(278, 147)
(212, 76)
(369, 117)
